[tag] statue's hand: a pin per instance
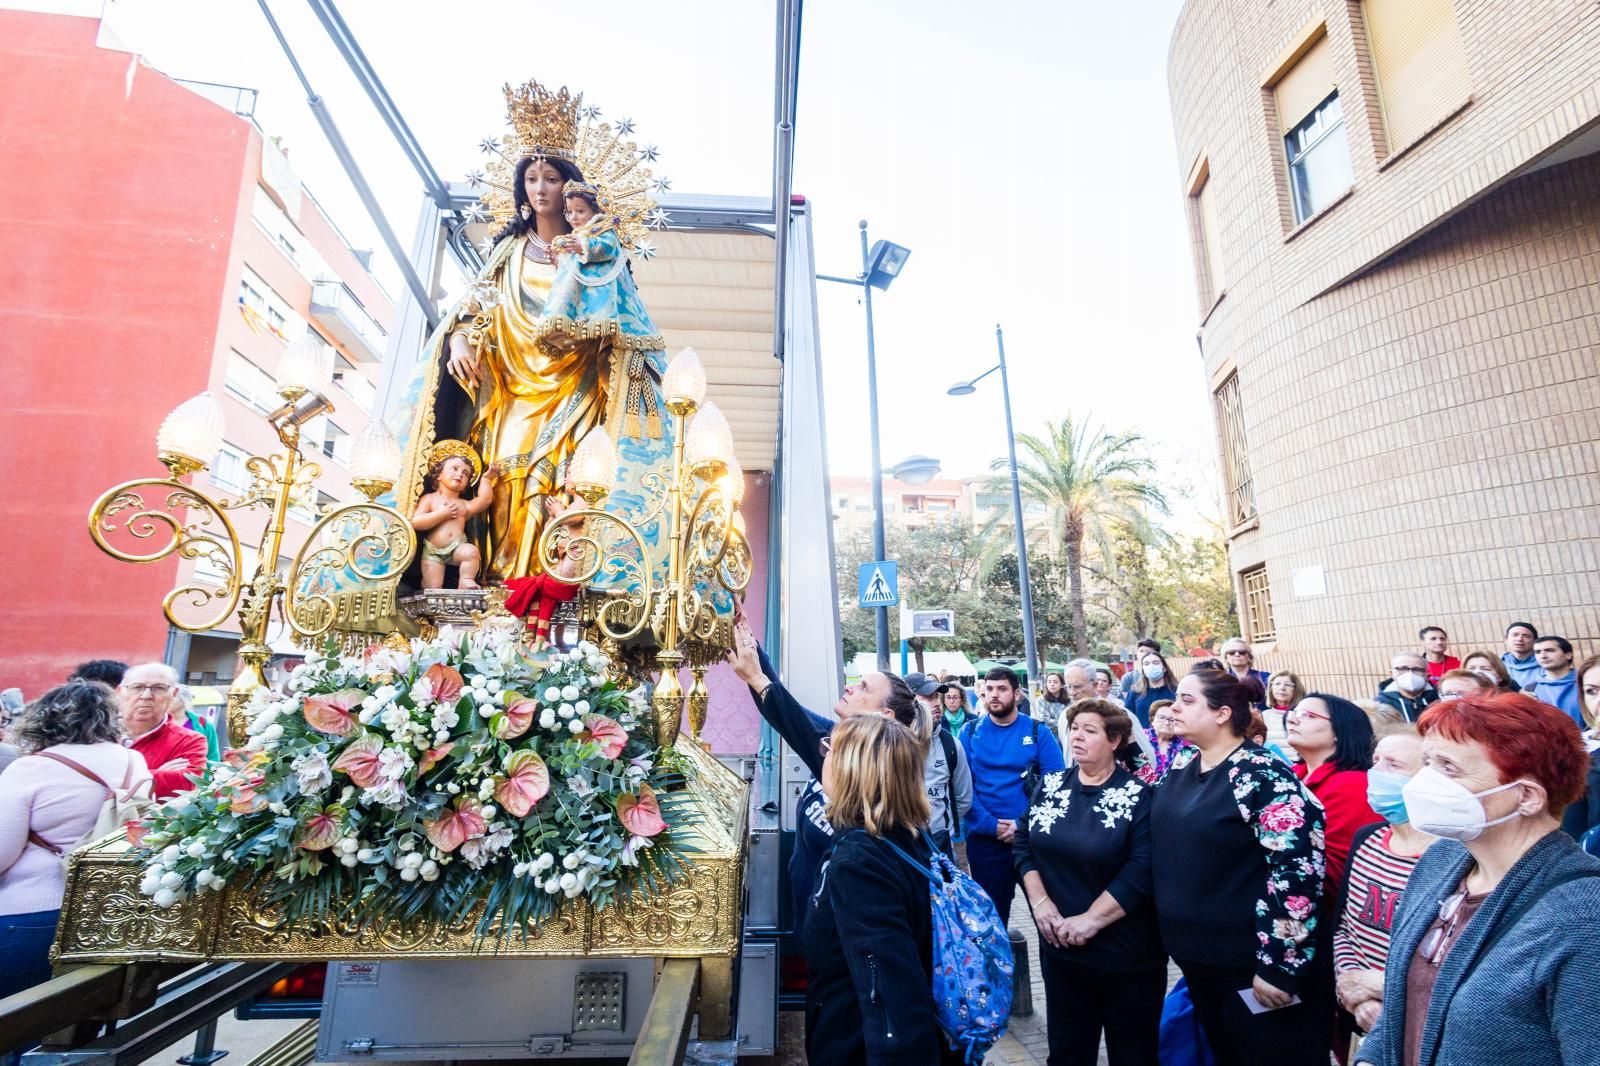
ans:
(464, 364)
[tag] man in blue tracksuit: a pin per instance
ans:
(1008, 753)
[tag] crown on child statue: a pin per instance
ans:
(451, 449)
(579, 186)
(548, 124)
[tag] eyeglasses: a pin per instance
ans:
(1410, 670)
(1437, 943)
(1238, 651)
(147, 690)
(1301, 712)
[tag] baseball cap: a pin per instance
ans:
(922, 684)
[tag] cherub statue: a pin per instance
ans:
(539, 594)
(442, 512)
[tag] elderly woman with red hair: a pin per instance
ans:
(1493, 957)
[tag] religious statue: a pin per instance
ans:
(441, 515)
(523, 377)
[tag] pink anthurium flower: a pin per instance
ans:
(445, 682)
(609, 734)
(515, 720)
(321, 830)
(527, 781)
(432, 757)
(456, 824)
(244, 799)
(641, 814)
(359, 760)
(334, 713)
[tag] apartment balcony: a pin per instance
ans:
(335, 308)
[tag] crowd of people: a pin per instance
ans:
(1391, 881)
(110, 734)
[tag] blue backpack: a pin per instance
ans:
(972, 959)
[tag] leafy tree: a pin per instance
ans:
(1092, 484)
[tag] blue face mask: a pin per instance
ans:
(1384, 795)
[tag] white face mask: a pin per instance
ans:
(1438, 805)
(1412, 682)
(1154, 671)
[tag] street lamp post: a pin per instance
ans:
(880, 265)
(967, 388)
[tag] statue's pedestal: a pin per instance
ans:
(105, 919)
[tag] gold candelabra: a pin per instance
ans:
(367, 539)
(708, 555)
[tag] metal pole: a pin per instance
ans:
(881, 624)
(1031, 648)
(342, 151)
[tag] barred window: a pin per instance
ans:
(1235, 456)
(1258, 604)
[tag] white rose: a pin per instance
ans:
(552, 694)
(553, 885)
(170, 855)
(582, 707)
(547, 719)
(429, 871)
(546, 861)
(490, 810)
(565, 710)
(197, 850)
(412, 860)
(165, 898)
(575, 726)
(571, 860)
(570, 693)
(364, 855)
(149, 886)
(453, 788)
(519, 870)
(409, 873)
(349, 860)
(171, 879)
(569, 882)
(493, 685)
(272, 732)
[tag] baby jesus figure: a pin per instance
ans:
(442, 512)
(539, 594)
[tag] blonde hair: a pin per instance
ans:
(875, 776)
(1298, 694)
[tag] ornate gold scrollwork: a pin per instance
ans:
(190, 521)
(372, 541)
(619, 616)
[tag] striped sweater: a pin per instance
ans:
(1376, 878)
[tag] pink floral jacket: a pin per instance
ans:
(1289, 825)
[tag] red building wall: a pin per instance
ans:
(118, 202)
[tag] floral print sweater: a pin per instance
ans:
(1239, 864)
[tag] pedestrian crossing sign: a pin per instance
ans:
(878, 584)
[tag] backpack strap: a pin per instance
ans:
(915, 865)
(35, 838)
(79, 767)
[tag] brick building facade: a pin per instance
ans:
(1395, 211)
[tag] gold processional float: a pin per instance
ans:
(653, 615)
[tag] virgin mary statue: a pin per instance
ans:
(523, 385)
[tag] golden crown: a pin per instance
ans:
(556, 125)
(451, 449)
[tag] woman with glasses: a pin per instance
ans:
(1165, 743)
(1333, 738)
(1493, 958)
(1239, 660)
(1238, 881)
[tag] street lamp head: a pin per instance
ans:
(962, 388)
(916, 470)
(884, 263)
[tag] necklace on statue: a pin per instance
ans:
(537, 248)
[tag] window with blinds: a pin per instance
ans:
(1235, 457)
(1420, 64)
(1205, 204)
(1258, 605)
(1311, 120)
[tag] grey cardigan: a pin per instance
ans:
(1534, 1000)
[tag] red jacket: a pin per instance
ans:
(1343, 795)
(166, 742)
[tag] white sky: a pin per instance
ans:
(1022, 151)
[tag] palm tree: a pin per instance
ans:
(1092, 483)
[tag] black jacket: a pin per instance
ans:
(1410, 707)
(869, 944)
